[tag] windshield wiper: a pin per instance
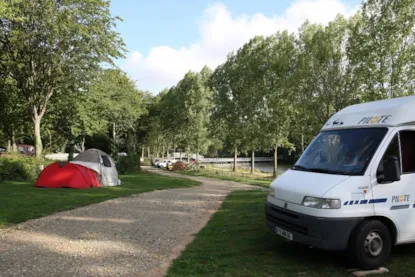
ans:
(300, 167)
(327, 171)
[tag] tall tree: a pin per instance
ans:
(227, 116)
(382, 47)
(191, 111)
(13, 113)
(116, 101)
(324, 77)
(248, 83)
(279, 56)
(51, 47)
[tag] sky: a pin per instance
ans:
(167, 38)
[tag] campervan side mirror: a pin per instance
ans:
(391, 169)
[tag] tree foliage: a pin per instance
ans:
(382, 48)
(273, 92)
(50, 48)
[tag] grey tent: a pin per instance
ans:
(100, 162)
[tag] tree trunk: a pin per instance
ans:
(132, 142)
(114, 149)
(235, 159)
(83, 144)
(9, 146)
(180, 154)
(302, 143)
(253, 162)
(142, 153)
(64, 146)
(162, 152)
(50, 140)
(38, 138)
(275, 160)
(148, 152)
(14, 145)
(135, 144)
(188, 156)
(197, 157)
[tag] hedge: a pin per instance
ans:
(19, 168)
(128, 164)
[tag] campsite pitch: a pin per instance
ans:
(20, 201)
(132, 236)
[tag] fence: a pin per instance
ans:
(240, 173)
(239, 160)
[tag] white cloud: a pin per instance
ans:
(221, 32)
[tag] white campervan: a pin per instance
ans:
(354, 186)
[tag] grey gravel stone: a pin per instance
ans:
(132, 236)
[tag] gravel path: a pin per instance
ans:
(134, 236)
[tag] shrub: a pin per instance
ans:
(128, 164)
(179, 166)
(19, 168)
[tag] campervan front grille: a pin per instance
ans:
(287, 224)
(286, 213)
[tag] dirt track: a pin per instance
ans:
(133, 236)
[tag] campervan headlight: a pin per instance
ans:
(271, 192)
(321, 203)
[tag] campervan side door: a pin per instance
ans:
(396, 200)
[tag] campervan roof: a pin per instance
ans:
(382, 113)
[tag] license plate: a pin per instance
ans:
(284, 233)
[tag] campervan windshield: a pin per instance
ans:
(345, 152)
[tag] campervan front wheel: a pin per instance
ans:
(370, 244)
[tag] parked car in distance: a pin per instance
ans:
(155, 161)
(26, 149)
(162, 164)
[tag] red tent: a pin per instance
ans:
(67, 175)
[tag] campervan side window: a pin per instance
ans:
(106, 161)
(393, 150)
(408, 151)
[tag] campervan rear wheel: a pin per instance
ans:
(370, 244)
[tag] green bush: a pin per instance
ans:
(19, 168)
(128, 164)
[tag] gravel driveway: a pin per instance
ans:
(134, 236)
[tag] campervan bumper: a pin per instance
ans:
(322, 233)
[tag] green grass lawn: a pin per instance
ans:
(236, 243)
(244, 180)
(20, 201)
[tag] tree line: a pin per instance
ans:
(59, 85)
(58, 82)
(277, 91)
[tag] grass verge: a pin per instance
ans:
(20, 201)
(236, 243)
(256, 182)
